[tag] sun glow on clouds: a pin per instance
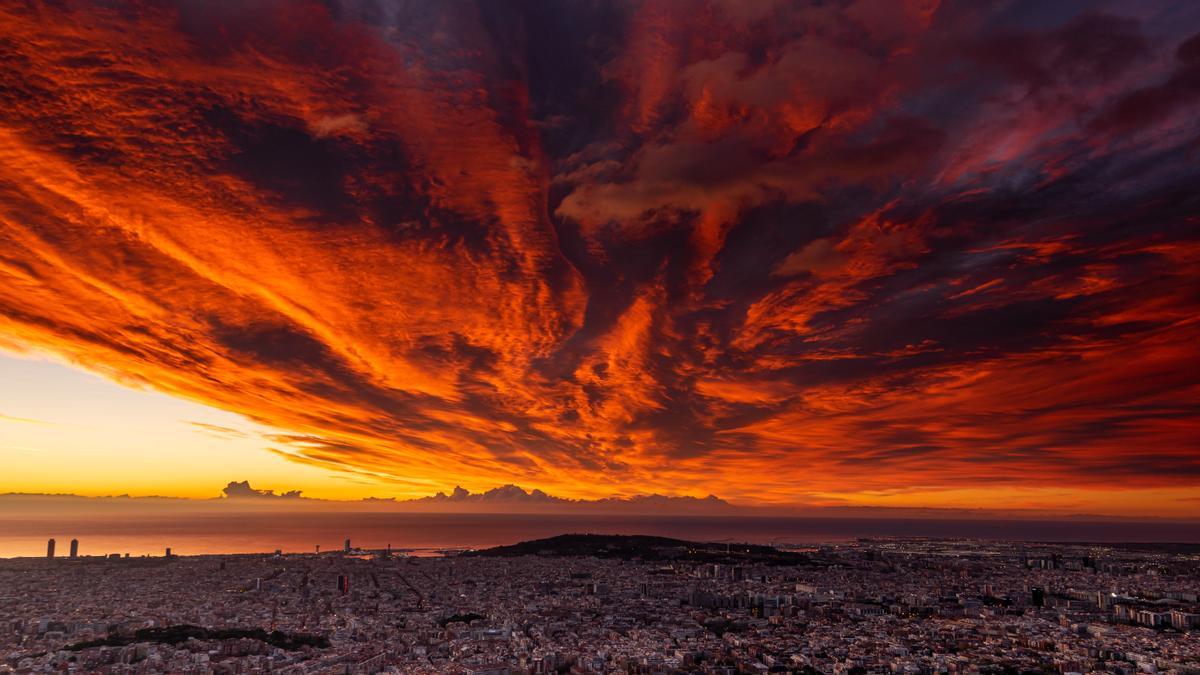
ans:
(864, 249)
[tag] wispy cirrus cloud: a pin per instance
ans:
(20, 420)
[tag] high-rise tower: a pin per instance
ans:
(50, 549)
(74, 548)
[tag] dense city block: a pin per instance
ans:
(613, 605)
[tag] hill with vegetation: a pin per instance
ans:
(629, 547)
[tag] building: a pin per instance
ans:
(487, 669)
(50, 549)
(74, 548)
(1181, 620)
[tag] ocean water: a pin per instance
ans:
(425, 533)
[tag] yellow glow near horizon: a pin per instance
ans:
(63, 430)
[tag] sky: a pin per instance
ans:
(861, 252)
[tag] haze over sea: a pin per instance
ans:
(427, 532)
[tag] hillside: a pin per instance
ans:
(628, 547)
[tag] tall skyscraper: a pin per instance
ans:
(347, 545)
(50, 549)
(343, 583)
(74, 548)
(1038, 596)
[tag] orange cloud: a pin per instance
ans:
(769, 252)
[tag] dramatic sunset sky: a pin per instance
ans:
(851, 252)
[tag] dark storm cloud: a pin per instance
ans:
(1147, 105)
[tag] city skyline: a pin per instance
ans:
(894, 255)
(616, 604)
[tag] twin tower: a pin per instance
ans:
(74, 548)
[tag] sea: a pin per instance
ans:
(440, 533)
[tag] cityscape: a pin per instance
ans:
(600, 337)
(613, 604)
